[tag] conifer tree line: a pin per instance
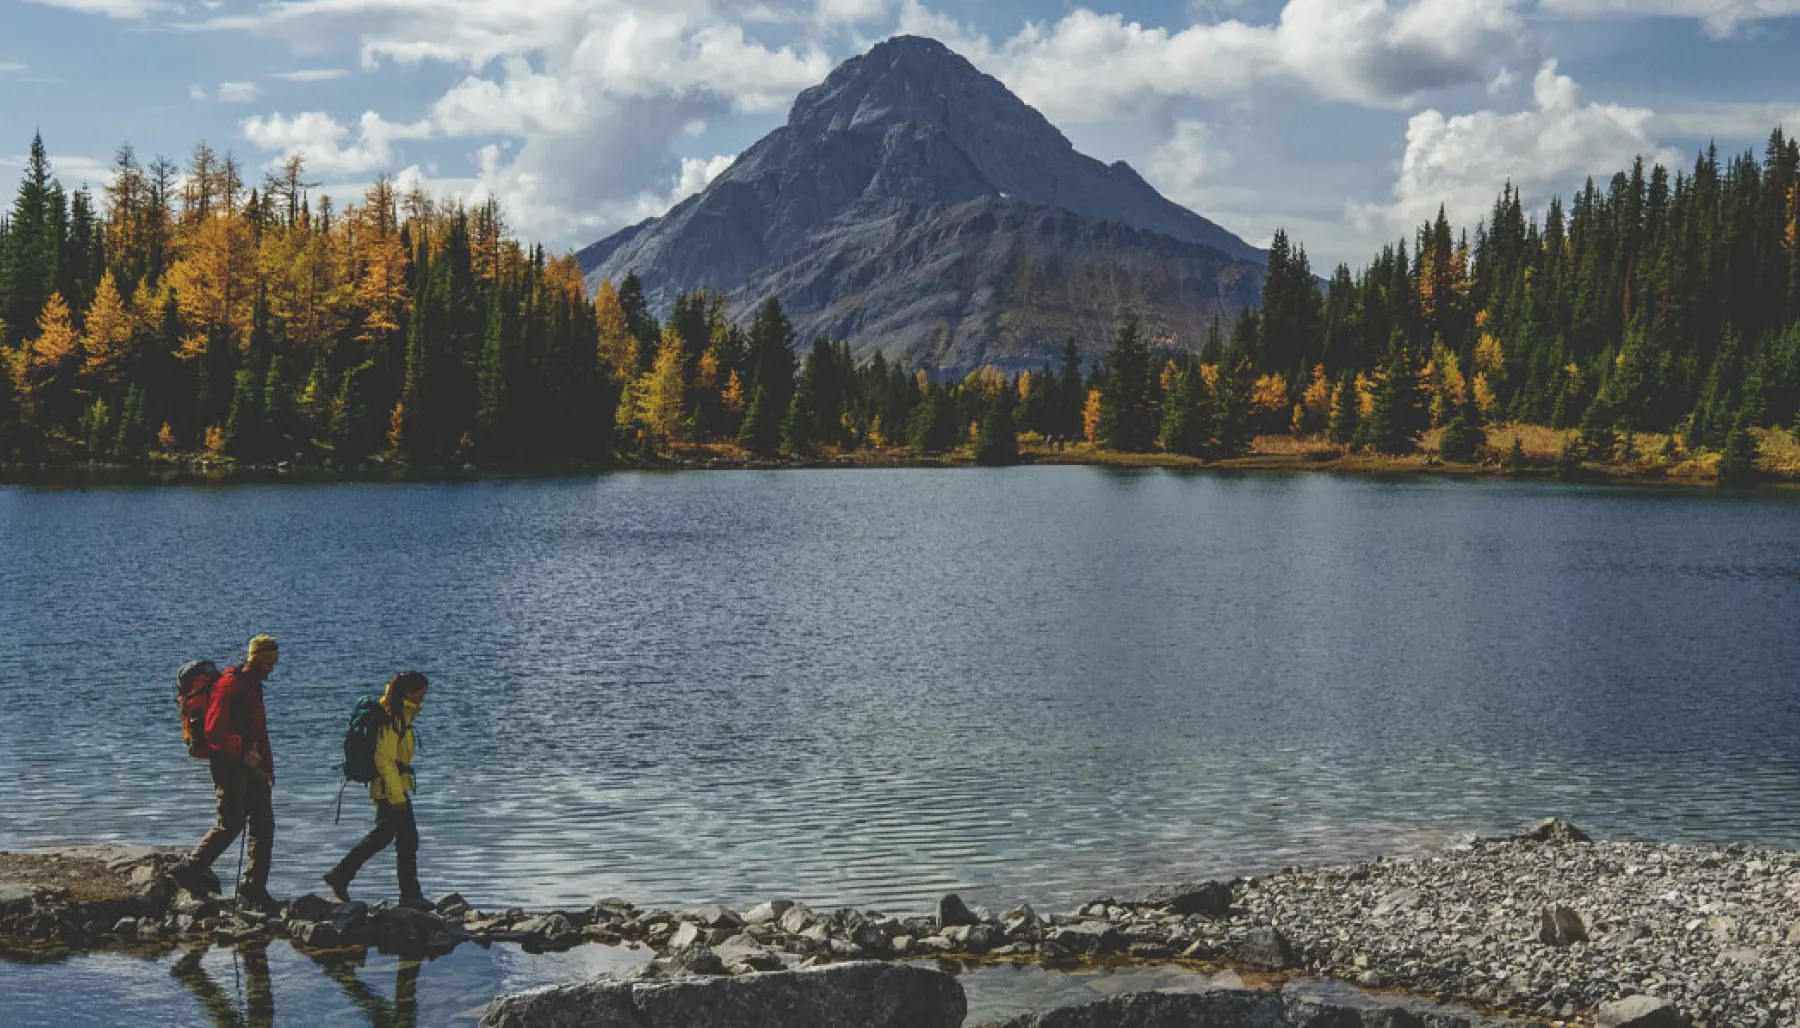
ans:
(193, 312)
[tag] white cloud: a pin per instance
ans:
(321, 139)
(1091, 67)
(1721, 17)
(12, 68)
(110, 8)
(588, 95)
(311, 75)
(1186, 167)
(196, 91)
(238, 92)
(1463, 161)
(852, 12)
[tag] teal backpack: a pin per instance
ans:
(366, 721)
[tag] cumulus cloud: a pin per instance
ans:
(1721, 17)
(1187, 165)
(587, 97)
(1091, 67)
(1462, 161)
(1736, 121)
(324, 142)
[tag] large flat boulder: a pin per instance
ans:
(1228, 1008)
(858, 995)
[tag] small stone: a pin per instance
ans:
(686, 935)
(1265, 949)
(1553, 830)
(1561, 926)
(764, 913)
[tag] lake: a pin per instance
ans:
(874, 687)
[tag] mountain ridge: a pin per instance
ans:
(888, 151)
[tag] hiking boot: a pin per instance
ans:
(339, 886)
(198, 881)
(258, 900)
(418, 903)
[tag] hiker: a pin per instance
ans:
(391, 790)
(243, 774)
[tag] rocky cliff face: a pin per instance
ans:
(913, 205)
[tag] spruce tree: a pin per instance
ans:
(1345, 410)
(800, 429)
(1464, 437)
(1737, 462)
(997, 441)
(1232, 431)
(1393, 424)
(761, 431)
(33, 242)
(1127, 426)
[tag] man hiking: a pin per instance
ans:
(391, 790)
(243, 774)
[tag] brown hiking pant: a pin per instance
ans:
(243, 798)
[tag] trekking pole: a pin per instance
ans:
(243, 843)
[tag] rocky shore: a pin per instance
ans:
(1546, 924)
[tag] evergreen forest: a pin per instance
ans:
(185, 311)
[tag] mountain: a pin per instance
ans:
(914, 205)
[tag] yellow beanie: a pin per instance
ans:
(262, 643)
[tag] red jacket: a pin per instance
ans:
(235, 721)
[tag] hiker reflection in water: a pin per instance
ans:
(258, 997)
(400, 1012)
(392, 792)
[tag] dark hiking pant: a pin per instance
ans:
(393, 823)
(243, 798)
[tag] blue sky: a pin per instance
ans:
(1345, 121)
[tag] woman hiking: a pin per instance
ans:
(391, 790)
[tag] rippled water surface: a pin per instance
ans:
(873, 687)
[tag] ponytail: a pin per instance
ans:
(407, 683)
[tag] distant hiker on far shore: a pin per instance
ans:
(236, 741)
(378, 749)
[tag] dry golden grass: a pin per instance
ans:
(1539, 442)
(1780, 451)
(1313, 446)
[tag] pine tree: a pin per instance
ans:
(1343, 425)
(800, 429)
(1464, 437)
(1737, 463)
(33, 243)
(997, 442)
(1126, 425)
(1393, 427)
(1232, 431)
(761, 431)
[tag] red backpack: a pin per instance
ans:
(193, 691)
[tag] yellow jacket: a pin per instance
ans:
(393, 760)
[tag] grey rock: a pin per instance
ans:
(1264, 948)
(718, 917)
(913, 205)
(1226, 1008)
(796, 919)
(1561, 926)
(1210, 898)
(1553, 830)
(742, 949)
(552, 931)
(1640, 1012)
(765, 913)
(315, 934)
(1089, 938)
(952, 911)
(861, 995)
(310, 907)
(686, 935)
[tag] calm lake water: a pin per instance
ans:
(873, 687)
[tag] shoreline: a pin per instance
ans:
(1545, 924)
(199, 471)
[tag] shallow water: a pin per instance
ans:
(275, 985)
(872, 687)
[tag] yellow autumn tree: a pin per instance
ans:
(1490, 358)
(1313, 412)
(733, 397)
(50, 360)
(662, 394)
(618, 348)
(1485, 399)
(1091, 414)
(1365, 395)
(108, 334)
(215, 283)
(1270, 395)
